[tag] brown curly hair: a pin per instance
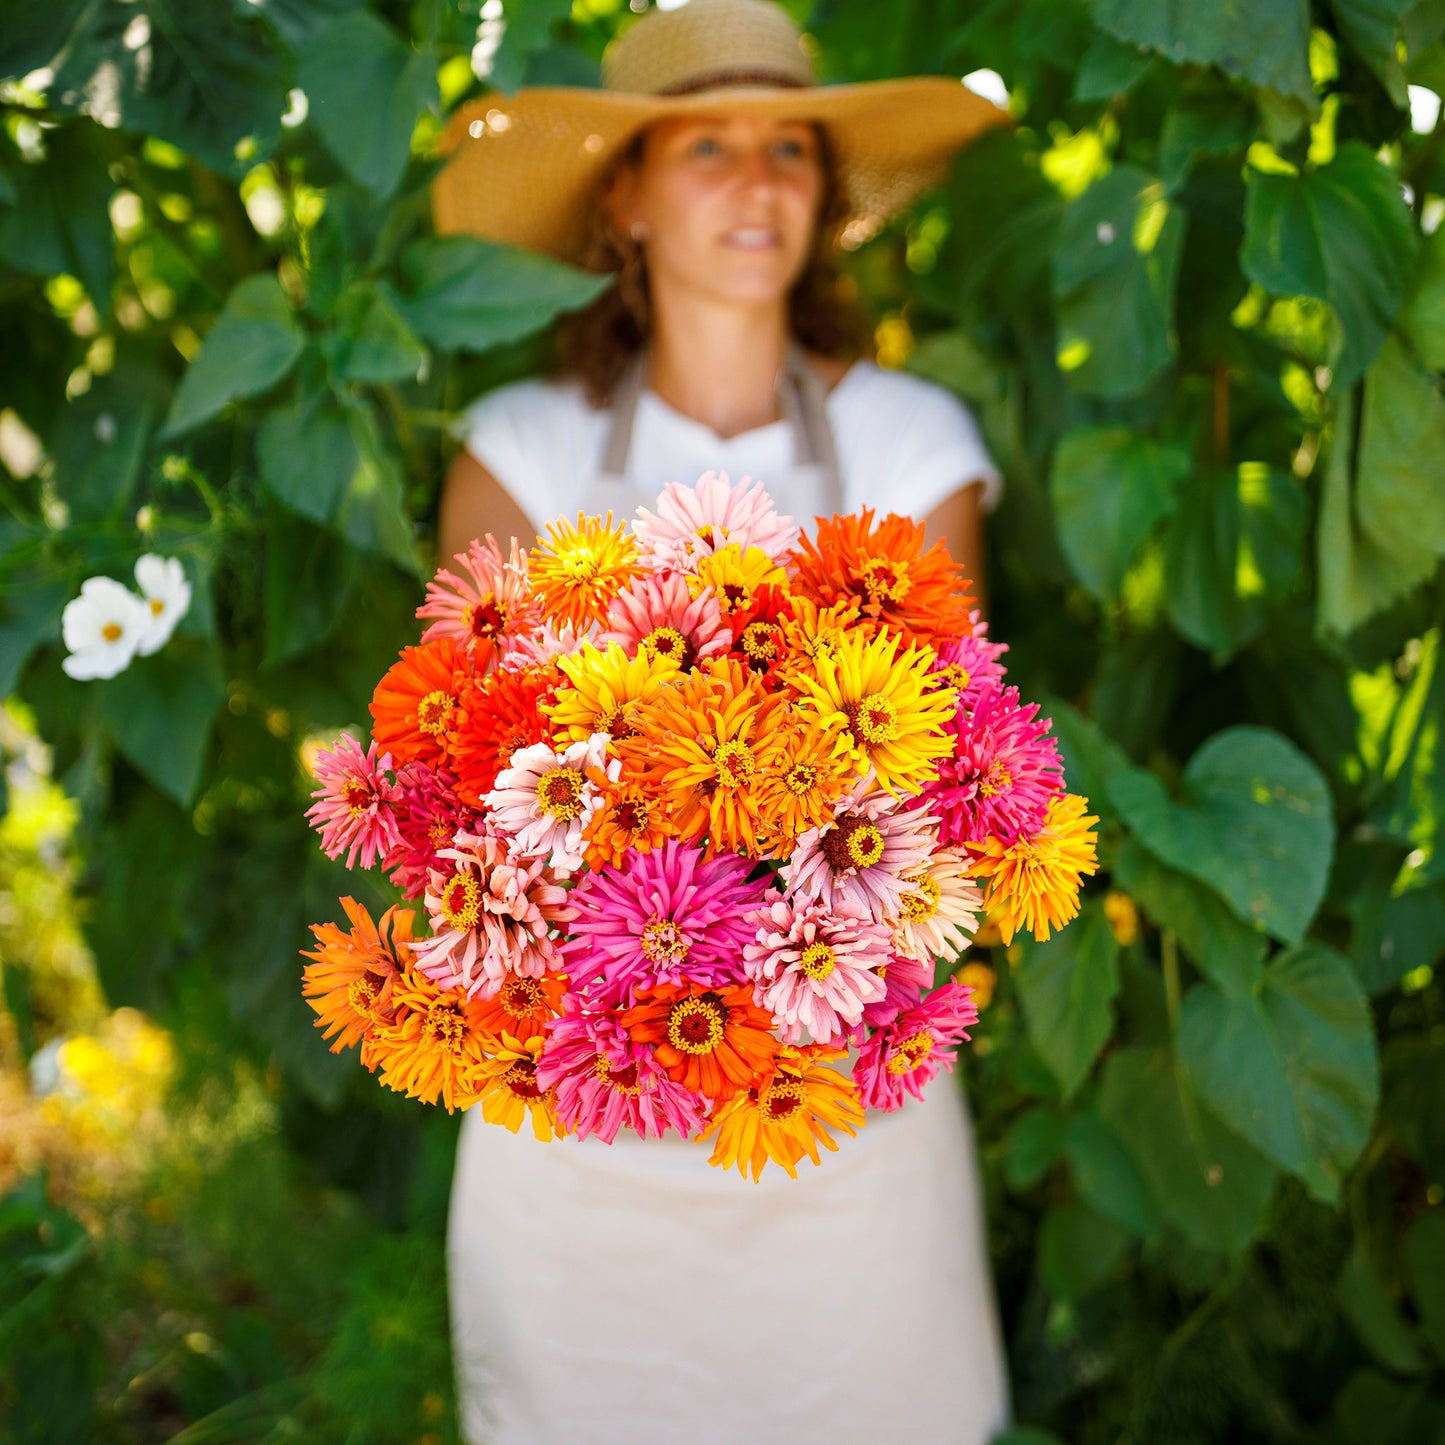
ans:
(596, 343)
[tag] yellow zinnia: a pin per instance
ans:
(510, 1092)
(577, 571)
(885, 707)
(604, 688)
(735, 575)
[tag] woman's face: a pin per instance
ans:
(726, 205)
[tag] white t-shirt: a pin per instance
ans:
(602, 1293)
(903, 444)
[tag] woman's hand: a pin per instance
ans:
(474, 503)
(958, 522)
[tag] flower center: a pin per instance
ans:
(885, 580)
(874, 720)
(363, 991)
(910, 1052)
(357, 796)
(923, 901)
(434, 713)
(695, 1025)
(818, 960)
(580, 562)
(668, 642)
(632, 814)
(782, 1099)
(559, 790)
(951, 674)
(445, 1026)
(485, 619)
(523, 996)
(760, 643)
(998, 780)
(623, 1079)
(734, 763)
(112, 632)
(461, 902)
(800, 779)
(438, 833)
(664, 941)
(157, 606)
(521, 1079)
(852, 842)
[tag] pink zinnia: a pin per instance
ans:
(902, 1058)
(542, 644)
(970, 664)
(428, 816)
(904, 982)
(813, 969)
(659, 614)
(1004, 769)
(353, 807)
(492, 605)
(859, 860)
(543, 800)
(492, 914)
(605, 1082)
(693, 522)
(666, 916)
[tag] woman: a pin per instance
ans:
(630, 1292)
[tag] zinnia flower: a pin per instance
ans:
(415, 703)
(812, 969)
(861, 857)
(523, 1006)
(884, 569)
(432, 1047)
(788, 1116)
(602, 691)
(628, 817)
(805, 770)
(486, 608)
(492, 915)
(1001, 772)
(737, 576)
(428, 816)
(510, 1092)
(604, 1082)
(1034, 881)
(102, 629)
(882, 704)
(939, 909)
(665, 916)
(712, 1041)
(659, 616)
(968, 664)
(497, 715)
(578, 571)
(167, 597)
(902, 1058)
(351, 981)
(905, 981)
(353, 807)
(694, 522)
(543, 800)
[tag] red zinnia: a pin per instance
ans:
(496, 715)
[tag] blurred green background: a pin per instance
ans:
(1196, 297)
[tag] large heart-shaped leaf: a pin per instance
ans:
(1292, 1066)
(1253, 820)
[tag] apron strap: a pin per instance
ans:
(801, 396)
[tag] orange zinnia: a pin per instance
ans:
(629, 817)
(495, 716)
(715, 1041)
(577, 571)
(350, 983)
(522, 1006)
(885, 570)
(415, 703)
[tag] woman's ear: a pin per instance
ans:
(619, 198)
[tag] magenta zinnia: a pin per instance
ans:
(353, 807)
(902, 1058)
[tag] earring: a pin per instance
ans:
(638, 230)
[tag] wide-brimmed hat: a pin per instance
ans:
(524, 168)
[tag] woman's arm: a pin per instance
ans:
(958, 522)
(474, 503)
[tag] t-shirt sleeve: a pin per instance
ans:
(507, 432)
(936, 450)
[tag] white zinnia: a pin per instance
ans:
(102, 628)
(166, 594)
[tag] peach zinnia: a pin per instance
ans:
(488, 606)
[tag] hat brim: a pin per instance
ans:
(524, 168)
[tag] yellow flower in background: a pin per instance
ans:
(1123, 917)
(981, 979)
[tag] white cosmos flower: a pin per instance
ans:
(166, 595)
(102, 628)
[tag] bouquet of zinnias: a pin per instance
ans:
(693, 807)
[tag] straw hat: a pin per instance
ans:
(523, 169)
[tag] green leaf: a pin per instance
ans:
(1254, 821)
(1422, 318)
(1113, 283)
(1090, 755)
(372, 514)
(100, 444)
(203, 77)
(1341, 233)
(1414, 1084)
(1265, 43)
(309, 580)
(160, 709)
(1067, 987)
(366, 88)
(1108, 1177)
(1365, 1302)
(1031, 1146)
(252, 346)
(1291, 1066)
(30, 608)
(1025, 1435)
(1078, 1250)
(1424, 1252)
(307, 456)
(1373, 1410)
(1110, 487)
(1201, 123)
(530, 24)
(955, 360)
(1211, 1185)
(470, 295)
(1373, 29)
(375, 344)
(1109, 68)
(1226, 950)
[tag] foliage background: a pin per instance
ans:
(1195, 297)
